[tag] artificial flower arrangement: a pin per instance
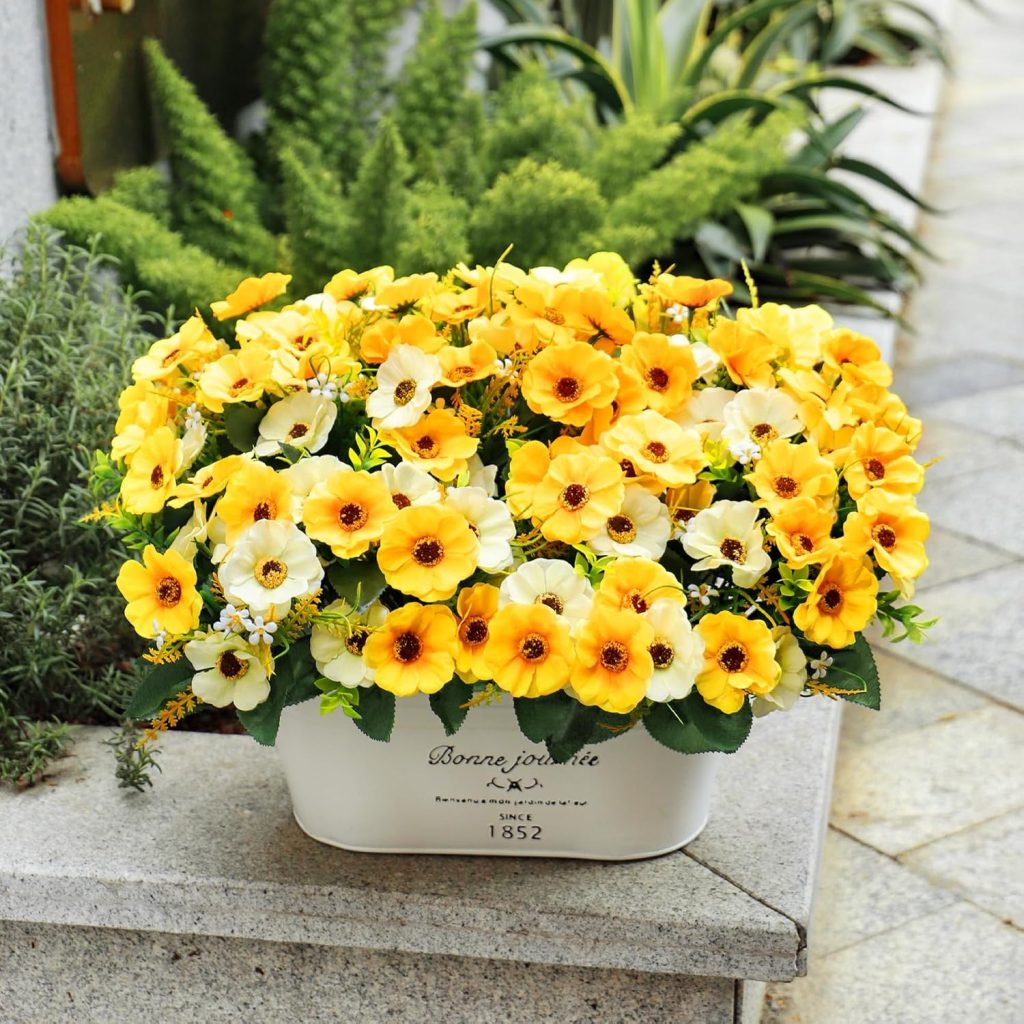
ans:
(606, 500)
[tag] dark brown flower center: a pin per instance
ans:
(662, 654)
(574, 497)
(352, 516)
(762, 433)
(168, 592)
(428, 551)
(884, 535)
(156, 478)
(401, 500)
(553, 601)
(231, 666)
(427, 447)
(656, 451)
(657, 379)
(567, 389)
(264, 510)
(681, 516)
(407, 648)
(874, 469)
(733, 658)
(635, 600)
(831, 600)
(733, 549)
(270, 572)
(473, 632)
(357, 641)
(628, 468)
(786, 487)
(171, 357)
(298, 430)
(533, 647)
(240, 383)
(404, 391)
(621, 529)
(614, 656)
(805, 542)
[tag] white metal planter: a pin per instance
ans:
(488, 789)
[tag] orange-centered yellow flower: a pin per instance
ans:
(438, 444)
(252, 292)
(841, 602)
(527, 467)
(667, 371)
(427, 550)
(788, 471)
(412, 651)
(654, 451)
(236, 377)
(880, 459)
(802, 529)
(745, 352)
(577, 496)
(476, 607)
(348, 511)
(568, 382)
(254, 493)
(613, 663)
(161, 593)
(530, 652)
(893, 530)
(150, 479)
(690, 291)
(739, 656)
(634, 584)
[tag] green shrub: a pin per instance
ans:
(67, 337)
(144, 189)
(434, 235)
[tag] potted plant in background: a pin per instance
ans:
(603, 511)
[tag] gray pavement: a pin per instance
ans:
(921, 903)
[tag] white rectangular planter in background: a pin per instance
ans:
(488, 789)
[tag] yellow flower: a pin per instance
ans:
(802, 530)
(857, 357)
(613, 663)
(254, 493)
(161, 593)
(568, 382)
(474, 361)
(634, 584)
(610, 326)
(380, 338)
(348, 511)
(412, 651)
(143, 411)
(693, 292)
(612, 271)
(476, 607)
(236, 377)
(208, 481)
(530, 652)
(630, 398)
(544, 314)
(797, 333)
(527, 467)
(841, 602)
(252, 292)
(739, 657)
(654, 451)
(438, 444)
(745, 352)
(667, 371)
(893, 530)
(577, 496)
(880, 459)
(427, 551)
(787, 471)
(149, 481)
(402, 294)
(348, 284)
(686, 501)
(190, 348)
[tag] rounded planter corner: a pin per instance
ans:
(488, 790)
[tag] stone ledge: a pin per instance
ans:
(213, 851)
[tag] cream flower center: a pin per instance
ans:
(762, 433)
(355, 643)
(298, 430)
(270, 572)
(656, 451)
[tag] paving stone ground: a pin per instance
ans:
(920, 913)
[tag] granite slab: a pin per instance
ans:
(213, 850)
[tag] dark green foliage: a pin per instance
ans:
(691, 726)
(152, 257)
(449, 704)
(378, 199)
(27, 747)
(434, 234)
(67, 337)
(545, 209)
(461, 157)
(433, 78)
(530, 120)
(215, 201)
(310, 82)
(144, 189)
(317, 216)
(134, 761)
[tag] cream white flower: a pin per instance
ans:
(706, 358)
(704, 412)
(305, 474)
(192, 533)
(793, 663)
(301, 420)
(340, 657)
(229, 672)
(759, 416)
(482, 476)
(641, 527)
(727, 534)
(552, 582)
(410, 485)
(272, 563)
(192, 441)
(404, 381)
(677, 651)
(490, 520)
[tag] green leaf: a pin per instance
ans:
(578, 732)
(671, 727)
(448, 703)
(160, 684)
(376, 713)
(759, 223)
(358, 582)
(540, 718)
(876, 174)
(294, 680)
(854, 668)
(692, 726)
(241, 424)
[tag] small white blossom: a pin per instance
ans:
(745, 452)
(262, 632)
(233, 620)
(701, 593)
(193, 417)
(820, 665)
(677, 313)
(160, 637)
(369, 303)
(325, 386)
